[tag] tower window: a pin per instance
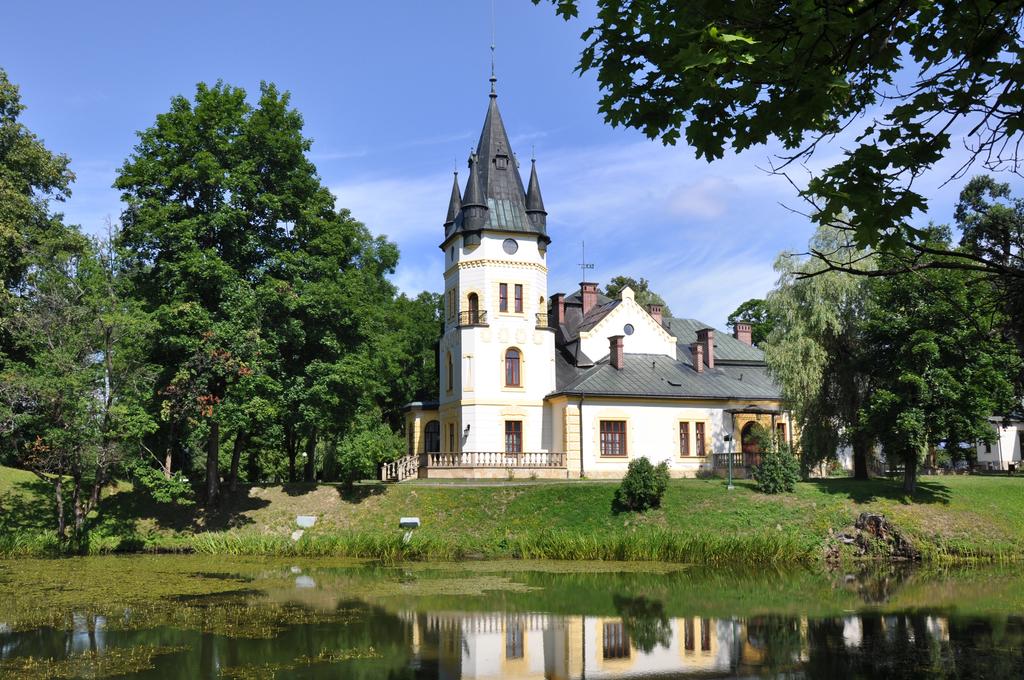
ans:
(512, 368)
(451, 373)
(519, 298)
(502, 297)
(513, 436)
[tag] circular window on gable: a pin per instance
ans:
(510, 246)
(628, 329)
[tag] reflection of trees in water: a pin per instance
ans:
(777, 641)
(915, 645)
(645, 622)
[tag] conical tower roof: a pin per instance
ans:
(495, 175)
(454, 204)
(534, 201)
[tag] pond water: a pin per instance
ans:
(197, 617)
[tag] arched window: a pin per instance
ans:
(512, 368)
(451, 373)
(432, 437)
(474, 308)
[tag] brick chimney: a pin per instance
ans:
(655, 311)
(706, 337)
(557, 309)
(588, 292)
(697, 350)
(742, 332)
(615, 353)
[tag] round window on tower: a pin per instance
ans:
(628, 329)
(510, 246)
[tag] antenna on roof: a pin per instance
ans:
(584, 265)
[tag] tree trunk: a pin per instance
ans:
(861, 451)
(236, 455)
(58, 492)
(212, 463)
(910, 476)
(76, 503)
(169, 452)
(252, 470)
(310, 456)
(289, 447)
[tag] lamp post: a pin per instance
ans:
(728, 439)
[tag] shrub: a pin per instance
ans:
(173, 490)
(642, 487)
(778, 472)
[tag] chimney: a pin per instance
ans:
(706, 337)
(557, 309)
(588, 292)
(742, 332)
(615, 351)
(697, 350)
(655, 311)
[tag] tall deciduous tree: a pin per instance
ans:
(817, 351)
(939, 366)
(928, 76)
(76, 397)
(214, 192)
(31, 176)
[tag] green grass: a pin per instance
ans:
(950, 519)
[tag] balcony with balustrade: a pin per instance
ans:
(477, 465)
(473, 317)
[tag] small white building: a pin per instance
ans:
(569, 385)
(1005, 451)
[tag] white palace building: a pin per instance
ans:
(567, 386)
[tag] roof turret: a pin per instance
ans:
(534, 202)
(454, 205)
(473, 216)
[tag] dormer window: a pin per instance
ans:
(501, 162)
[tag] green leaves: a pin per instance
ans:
(737, 75)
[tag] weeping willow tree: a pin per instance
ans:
(816, 350)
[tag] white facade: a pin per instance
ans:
(648, 336)
(1005, 450)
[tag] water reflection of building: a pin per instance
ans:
(548, 647)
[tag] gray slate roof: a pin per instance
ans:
(656, 375)
(727, 348)
(740, 371)
(498, 178)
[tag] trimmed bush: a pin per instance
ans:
(778, 472)
(642, 487)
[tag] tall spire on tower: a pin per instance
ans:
(494, 78)
(495, 198)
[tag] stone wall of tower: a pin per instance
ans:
(478, 352)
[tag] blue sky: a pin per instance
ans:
(393, 94)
